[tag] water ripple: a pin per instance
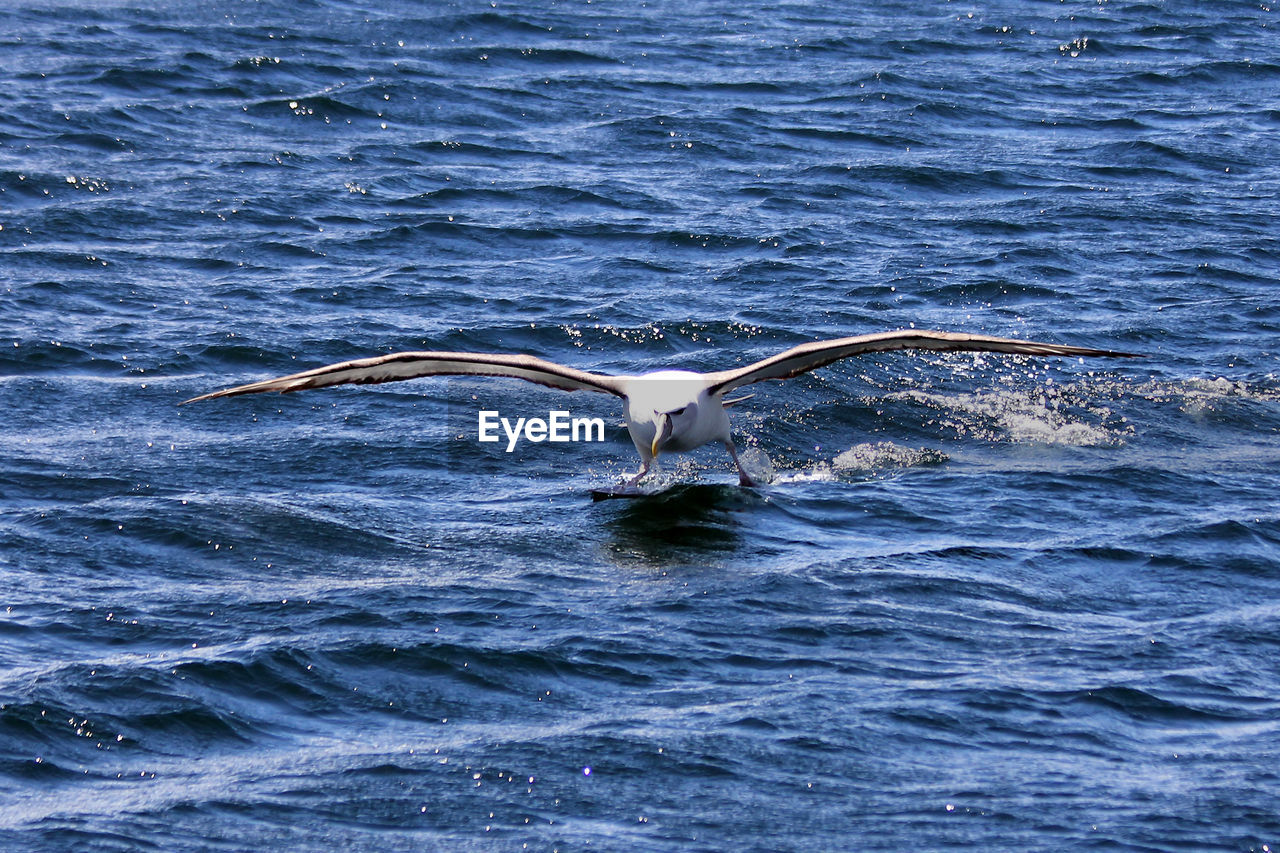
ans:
(991, 601)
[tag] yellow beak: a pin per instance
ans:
(660, 434)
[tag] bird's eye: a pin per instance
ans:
(675, 413)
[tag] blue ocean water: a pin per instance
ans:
(988, 602)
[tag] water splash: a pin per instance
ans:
(866, 459)
(1057, 415)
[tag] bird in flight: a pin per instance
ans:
(667, 411)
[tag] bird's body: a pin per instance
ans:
(671, 411)
(674, 411)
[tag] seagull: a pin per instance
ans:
(667, 411)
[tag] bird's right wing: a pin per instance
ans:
(806, 357)
(411, 365)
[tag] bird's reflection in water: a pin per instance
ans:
(691, 523)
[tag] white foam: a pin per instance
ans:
(864, 458)
(1042, 416)
(885, 454)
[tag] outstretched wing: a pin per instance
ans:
(806, 357)
(411, 365)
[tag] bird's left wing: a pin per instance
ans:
(806, 357)
(411, 365)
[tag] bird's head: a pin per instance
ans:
(669, 427)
